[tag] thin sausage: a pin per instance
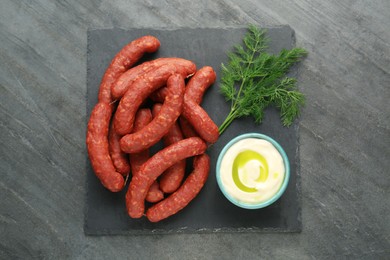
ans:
(119, 158)
(171, 179)
(185, 194)
(142, 118)
(98, 125)
(200, 121)
(195, 115)
(119, 88)
(140, 90)
(154, 167)
(160, 125)
(199, 83)
(122, 61)
(97, 146)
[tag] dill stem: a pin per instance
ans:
(238, 95)
(228, 120)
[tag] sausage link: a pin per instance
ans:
(140, 90)
(98, 125)
(119, 158)
(171, 179)
(199, 83)
(123, 60)
(185, 194)
(154, 167)
(194, 114)
(97, 146)
(119, 88)
(160, 125)
(142, 118)
(200, 121)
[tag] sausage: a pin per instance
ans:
(199, 83)
(186, 128)
(119, 88)
(200, 121)
(140, 90)
(119, 158)
(142, 118)
(97, 146)
(123, 60)
(185, 194)
(154, 167)
(171, 179)
(98, 125)
(160, 125)
(195, 115)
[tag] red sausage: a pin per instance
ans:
(199, 83)
(171, 179)
(140, 90)
(119, 88)
(97, 146)
(185, 194)
(200, 121)
(142, 118)
(119, 158)
(125, 58)
(154, 167)
(160, 125)
(195, 115)
(98, 125)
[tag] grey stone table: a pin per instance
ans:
(344, 128)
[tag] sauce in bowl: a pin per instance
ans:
(252, 171)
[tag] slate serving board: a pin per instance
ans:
(105, 212)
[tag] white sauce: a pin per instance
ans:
(251, 171)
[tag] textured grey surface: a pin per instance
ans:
(210, 211)
(344, 128)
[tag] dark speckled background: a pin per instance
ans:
(344, 129)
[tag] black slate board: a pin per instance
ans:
(209, 211)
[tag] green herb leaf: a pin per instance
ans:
(253, 80)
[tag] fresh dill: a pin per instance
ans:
(252, 80)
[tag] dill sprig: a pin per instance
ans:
(253, 80)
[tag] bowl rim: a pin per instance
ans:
(285, 182)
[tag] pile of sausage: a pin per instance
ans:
(124, 124)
